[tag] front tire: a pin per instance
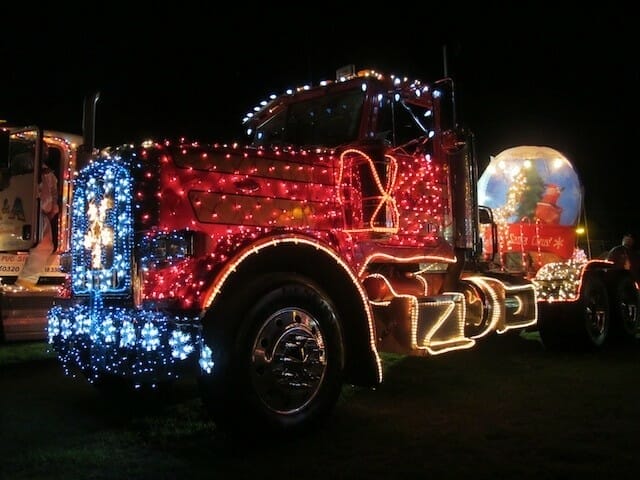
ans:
(281, 369)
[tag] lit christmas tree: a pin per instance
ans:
(532, 189)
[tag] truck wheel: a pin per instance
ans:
(624, 310)
(281, 371)
(594, 318)
(581, 325)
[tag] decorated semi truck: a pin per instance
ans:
(343, 225)
(23, 313)
(536, 198)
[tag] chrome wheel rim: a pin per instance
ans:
(288, 360)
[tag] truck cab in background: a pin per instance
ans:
(23, 313)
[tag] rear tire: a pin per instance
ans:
(583, 325)
(280, 370)
(594, 322)
(625, 302)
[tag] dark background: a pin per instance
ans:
(531, 74)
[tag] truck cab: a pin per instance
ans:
(344, 225)
(23, 313)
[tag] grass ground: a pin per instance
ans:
(506, 409)
(13, 353)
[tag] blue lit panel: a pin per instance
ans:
(102, 225)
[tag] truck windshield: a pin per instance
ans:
(329, 120)
(20, 156)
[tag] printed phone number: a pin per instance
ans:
(10, 268)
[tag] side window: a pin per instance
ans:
(22, 155)
(399, 123)
(20, 160)
(407, 126)
(385, 130)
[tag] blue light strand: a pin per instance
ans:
(144, 345)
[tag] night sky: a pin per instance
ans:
(568, 80)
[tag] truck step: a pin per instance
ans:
(24, 315)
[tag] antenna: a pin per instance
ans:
(444, 61)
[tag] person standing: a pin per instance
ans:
(40, 253)
(625, 256)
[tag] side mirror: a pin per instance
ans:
(484, 216)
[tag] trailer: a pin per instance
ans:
(537, 201)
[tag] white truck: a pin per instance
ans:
(23, 313)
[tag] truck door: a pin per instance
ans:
(18, 189)
(415, 183)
